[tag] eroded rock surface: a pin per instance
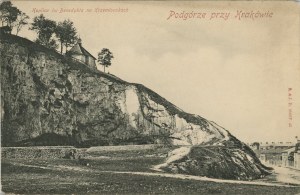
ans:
(48, 99)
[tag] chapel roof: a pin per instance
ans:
(78, 49)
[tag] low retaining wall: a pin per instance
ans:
(124, 148)
(53, 152)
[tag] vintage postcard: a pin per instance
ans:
(150, 97)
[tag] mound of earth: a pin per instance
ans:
(215, 162)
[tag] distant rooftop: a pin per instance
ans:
(289, 150)
(262, 144)
(277, 143)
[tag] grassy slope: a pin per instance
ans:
(28, 180)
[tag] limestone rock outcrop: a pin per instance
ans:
(50, 99)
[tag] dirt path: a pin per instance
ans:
(160, 174)
(287, 175)
(174, 155)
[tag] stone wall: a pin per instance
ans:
(41, 152)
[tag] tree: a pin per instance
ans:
(45, 29)
(66, 34)
(21, 21)
(104, 57)
(12, 17)
(8, 13)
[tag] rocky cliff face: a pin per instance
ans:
(48, 99)
(46, 93)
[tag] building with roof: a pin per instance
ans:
(271, 156)
(258, 147)
(275, 145)
(297, 155)
(79, 53)
(288, 157)
(286, 154)
(271, 152)
(297, 159)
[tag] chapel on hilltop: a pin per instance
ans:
(80, 54)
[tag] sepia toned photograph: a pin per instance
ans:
(150, 97)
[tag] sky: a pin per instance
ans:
(236, 72)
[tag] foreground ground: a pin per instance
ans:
(122, 172)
